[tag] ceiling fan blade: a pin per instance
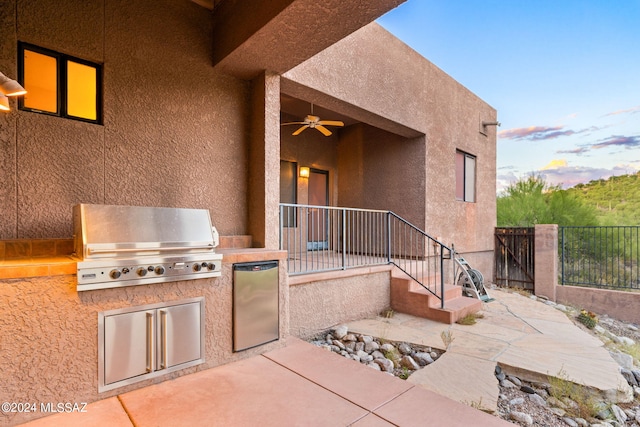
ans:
(324, 130)
(311, 118)
(331, 123)
(300, 130)
(294, 123)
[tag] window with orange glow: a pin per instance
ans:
(41, 79)
(59, 84)
(81, 90)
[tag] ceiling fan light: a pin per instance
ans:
(4, 103)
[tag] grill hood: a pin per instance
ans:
(135, 245)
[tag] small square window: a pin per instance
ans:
(59, 84)
(465, 177)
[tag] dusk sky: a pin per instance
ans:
(564, 76)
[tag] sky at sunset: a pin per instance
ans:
(564, 76)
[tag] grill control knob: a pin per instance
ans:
(142, 271)
(211, 266)
(197, 267)
(115, 274)
(159, 269)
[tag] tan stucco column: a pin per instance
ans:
(264, 161)
(546, 260)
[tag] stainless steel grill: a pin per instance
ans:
(135, 245)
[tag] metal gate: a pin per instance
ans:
(514, 257)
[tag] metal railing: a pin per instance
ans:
(604, 257)
(326, 238)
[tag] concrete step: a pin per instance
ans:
(409, 297)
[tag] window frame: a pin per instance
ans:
(469, 190)
(61, 82)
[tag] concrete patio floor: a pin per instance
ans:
(303, 385)
(298, 385)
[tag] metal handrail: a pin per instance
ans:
(326, 238)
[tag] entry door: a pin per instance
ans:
(318, 218)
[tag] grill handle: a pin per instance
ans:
(159, 249)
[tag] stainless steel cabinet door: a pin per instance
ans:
(179, 340)
(129, 347)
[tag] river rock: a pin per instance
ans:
(619, 414)
(349, 337)
(623, 359)
(359, 346)
(521, 417)
(538, 400)
(629, 377)
(409, 363)
(365, 338)
(515, 380)
(581, 422)
(377, 354)
(340, 331)
(370, 347)
(374, 365)
(404, 348)
(386, 348)
(385, 364)
(339, 344)
(527, 389)
(626, 341)
(517, 401)
(507, 384)
(570, 422)
(423, 359)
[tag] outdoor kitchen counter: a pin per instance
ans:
(22, 268)
(234, 255)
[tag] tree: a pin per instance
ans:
(531, 201)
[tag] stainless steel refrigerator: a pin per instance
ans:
(255, 304)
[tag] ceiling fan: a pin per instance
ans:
(314, 122)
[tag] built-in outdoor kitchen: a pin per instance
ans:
(139, 295)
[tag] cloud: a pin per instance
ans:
(559, 172)
(627, 142)
(533, 133)
(631, 110)
(556, 164)
(618, 140)
(542, 133)
(578, 151)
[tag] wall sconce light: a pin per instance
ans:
(9, 87)
(484, 124)
(4, 103)
(304, 172)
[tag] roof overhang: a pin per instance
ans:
(277, 35)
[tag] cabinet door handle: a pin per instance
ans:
(150, 341)
(163, 339)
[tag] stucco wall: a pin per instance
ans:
(395, 84)
(174, 133)
(49, 334)
(317, 306)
